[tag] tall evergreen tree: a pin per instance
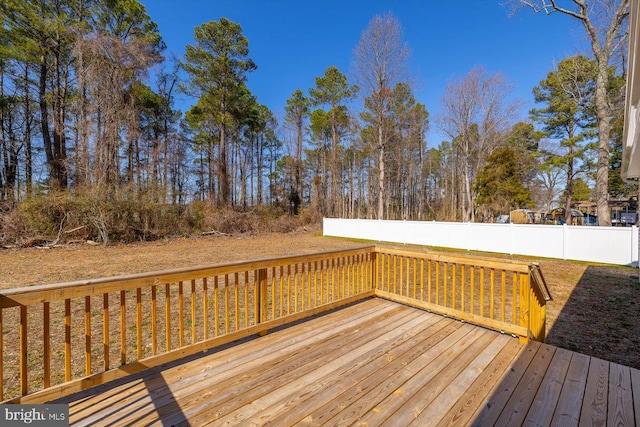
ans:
(334, 90)
(567, 94)
(296, 110)
(217, 64)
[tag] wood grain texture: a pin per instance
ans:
(373, 362)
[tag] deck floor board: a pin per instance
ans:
(375, 363)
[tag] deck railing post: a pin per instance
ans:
(261, 296)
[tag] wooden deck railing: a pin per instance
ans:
(502, 295)
(62, 338)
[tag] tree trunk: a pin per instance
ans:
(604, 127)
(334, 165)
(569, 191)
(223, 163)
(381, 172)
(44, 123)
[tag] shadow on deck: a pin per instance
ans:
(373, 362)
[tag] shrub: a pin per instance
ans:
(65, 217)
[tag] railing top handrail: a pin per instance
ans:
(475, 260)
(28, 295)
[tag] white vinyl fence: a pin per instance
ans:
(611, 245)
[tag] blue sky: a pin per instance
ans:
(292, 42)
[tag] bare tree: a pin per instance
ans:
(475, 115)
(603, 21)
(380, 61)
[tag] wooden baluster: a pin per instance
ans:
(167, 315)
(402, 278)
(288, 289)
(472, 297)
(371, 271)
(226, 303)
(295, 288)
(445, 268)
(236, 300)
(481, 291)
(123, 328)
(421, 279)
(335, 292)
(503, 283)
(193, 311)
(350, 276)
(205, 308)
(216, 307)
(359, 272)
(407, 276)
(315, 284)
(514, 296)
(387, 282)
(256, 296)
(415, 278)
(429, 281)
(281, 296)
(154, 327)
(139, 323)
(324, 280)
(67, 339)
(105, 330)
(379, 264)
(437, 282)
(454, 273)
(463, 268)
(46, 315)
(342, 273)
(180, 314)
(303, 284)
(308, 283)
(395, 274)
(24, 351)
(492, 293)
(87, 335)
(273, 293)
(381, 260)
(246, 299)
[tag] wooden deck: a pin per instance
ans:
(375, 362)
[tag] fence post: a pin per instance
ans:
(564, 241)
(635, 241)
(513, 238)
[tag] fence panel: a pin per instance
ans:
(613, 245)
